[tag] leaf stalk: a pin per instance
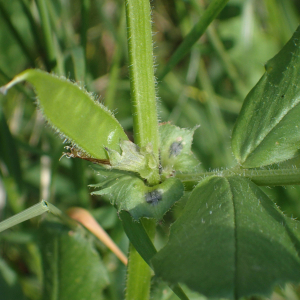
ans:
(261, 177)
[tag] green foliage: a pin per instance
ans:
(128, 192)
(64, 249)
(227, 237)
(270, 111)
(134, 159)
(142, 80)
(236, 236)
(82, 113)
(208, 16)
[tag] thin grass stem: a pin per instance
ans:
(31, 212)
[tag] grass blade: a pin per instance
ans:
(34, 211)
(208, 16)
(25, 215)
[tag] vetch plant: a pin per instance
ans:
(230, 239)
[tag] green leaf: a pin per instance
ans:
(267, 129)
(175, 150)
(129, 192)
(71, 265)
(74, 113)
(231, 241)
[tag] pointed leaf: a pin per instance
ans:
(267, 129)
(71, 265)
(231, 241)
(74, 113)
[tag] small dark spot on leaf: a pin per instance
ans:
(175, 148)
(282, 96)
(153, 197)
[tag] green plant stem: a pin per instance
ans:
(142, 81)
(47, 35)
(265, 177)
(140, 239)
(145, 124)
(138, 271)
(208, 16)
(34, 211)
(25, 215)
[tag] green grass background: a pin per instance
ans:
(86, 41)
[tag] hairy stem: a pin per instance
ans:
(145, 124)
(142, 81)
(138, 271)
(262, 177)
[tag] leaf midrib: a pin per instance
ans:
(235, 241)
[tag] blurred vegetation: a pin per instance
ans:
(86, 42)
